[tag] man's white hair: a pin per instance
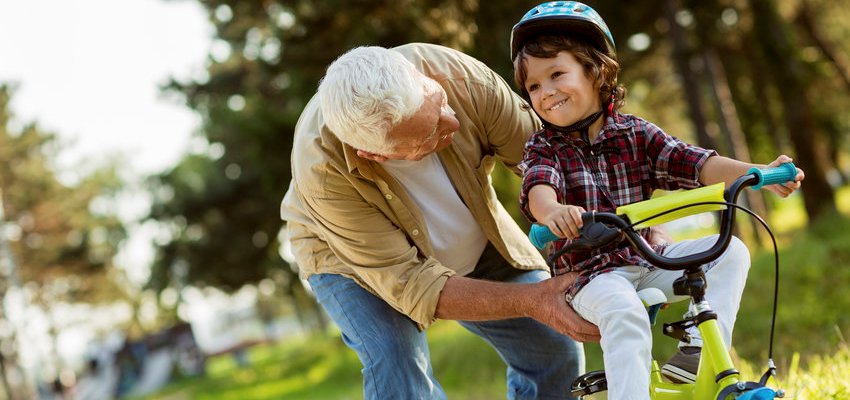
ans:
(368, 91)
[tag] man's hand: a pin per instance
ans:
(554, 311)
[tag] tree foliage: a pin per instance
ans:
(686, 64)
(62, 237)
(224, 210)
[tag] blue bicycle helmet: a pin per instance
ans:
(562, 17)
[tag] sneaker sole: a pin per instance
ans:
(678, 375)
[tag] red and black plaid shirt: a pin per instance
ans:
(627, 161)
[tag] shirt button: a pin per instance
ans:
(388, 196)
(415, 232)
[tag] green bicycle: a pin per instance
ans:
(717, 378)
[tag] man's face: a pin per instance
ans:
(429, 130)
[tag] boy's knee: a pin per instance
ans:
(738, 253)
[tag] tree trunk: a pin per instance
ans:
(806, 18)
(806, 21)
(731, 126)
(760, 85)
(681, 59)
(772, 33)
(834, 154)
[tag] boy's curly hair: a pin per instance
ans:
(598, 66)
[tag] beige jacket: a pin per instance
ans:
(346, 215)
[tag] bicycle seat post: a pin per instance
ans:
(692, 283)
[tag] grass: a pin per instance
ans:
(823, 376)
(306, 367)
(810, 347)
(826, 377)
(320, 367)
(814, 272)
(812, 285)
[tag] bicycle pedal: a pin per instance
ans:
(587, 385)
(678, 330)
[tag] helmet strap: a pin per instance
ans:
(580, 126)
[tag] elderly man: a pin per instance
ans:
(394, 222)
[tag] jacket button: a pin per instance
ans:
(388, 196)
(415, 232)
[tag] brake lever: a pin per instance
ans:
(592, 235)
(595, 234)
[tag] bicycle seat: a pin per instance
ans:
(653, 299)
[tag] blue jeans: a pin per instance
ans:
(542, 363)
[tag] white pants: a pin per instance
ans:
(610, 301)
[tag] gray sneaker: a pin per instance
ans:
(682, 367)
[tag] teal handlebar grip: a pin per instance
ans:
(540, 235)
(770, 176)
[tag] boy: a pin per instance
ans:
(589, 156)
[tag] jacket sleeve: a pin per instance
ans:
(508, 120)
(378, 252)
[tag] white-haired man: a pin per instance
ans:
(394, 222)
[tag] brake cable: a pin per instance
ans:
(771, 364)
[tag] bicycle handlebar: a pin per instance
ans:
(541, 234)
(599, 236)
(771, 176)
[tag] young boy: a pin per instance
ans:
(589, 156)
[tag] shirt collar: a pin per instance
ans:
(617, 122)
(611, 127)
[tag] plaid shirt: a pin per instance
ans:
(627, 161)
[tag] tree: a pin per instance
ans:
(221, 205)
(61, 238)
(809, 21)
(222, 208)
(791, 77)
(63, 231)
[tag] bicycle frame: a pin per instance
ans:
(715, 359)
(717, 377)
(716, 369)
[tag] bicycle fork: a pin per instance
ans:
(716, 369)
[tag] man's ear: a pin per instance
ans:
(371, 156)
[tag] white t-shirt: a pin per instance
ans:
(456, 236)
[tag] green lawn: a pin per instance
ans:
(810, 349)
(320, 367)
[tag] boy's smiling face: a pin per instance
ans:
(560, 90)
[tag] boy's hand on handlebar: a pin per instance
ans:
(555, 312)
(563, 220)
(787, 188)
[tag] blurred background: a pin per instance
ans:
(144, 151)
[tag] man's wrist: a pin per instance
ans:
(477, 300)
